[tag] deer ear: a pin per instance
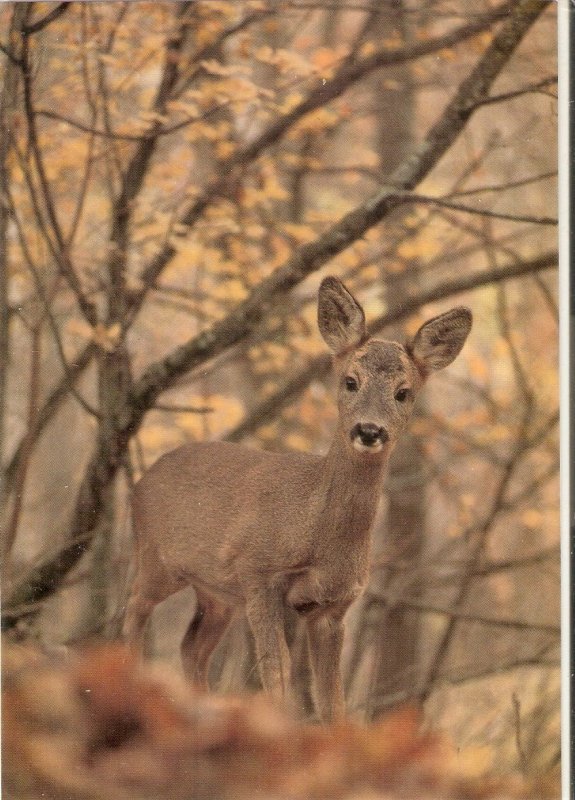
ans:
(340, 318)
(439, 340)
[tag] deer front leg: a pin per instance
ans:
(325, 635)
(266, 615)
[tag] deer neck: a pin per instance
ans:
(351, 487)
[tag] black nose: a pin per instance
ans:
(369, 434)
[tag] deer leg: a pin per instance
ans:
(266, 616)
(301, 679)
(144, 597)
(325, 636)
(137, 614)
(207, 627)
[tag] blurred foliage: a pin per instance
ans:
(114, 730)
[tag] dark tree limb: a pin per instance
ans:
(44, 21)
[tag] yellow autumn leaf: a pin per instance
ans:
(371, 272)
(158, 437)
(477, 366)
(301, 233)
(367, 49)
(421, 247)
(473, 762)
(265, 54)
(187, 107)
(80, 328)
(393, 42)
(231, 290)
(225, 150)
(447, 54)
(323, 58)
(214, 67)
(295, 441)
(532, 518)
(106, 338)
(288, 104)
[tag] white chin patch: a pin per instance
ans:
(367, 448)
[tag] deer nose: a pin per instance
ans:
(369, 434)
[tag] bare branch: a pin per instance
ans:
(534, 87)
(503, 187)
(153, 133)
(429, 608)
(518, 733)
(504, 565)
(14, 59)
(537, 660)
(483, 212)
(44, 21)
(175, 409)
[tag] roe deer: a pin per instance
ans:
(267, 532)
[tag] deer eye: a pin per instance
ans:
(351, 384)
(401, 395)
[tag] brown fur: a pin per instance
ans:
(261, 532)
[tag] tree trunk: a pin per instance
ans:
(388, 637)
(7, 105)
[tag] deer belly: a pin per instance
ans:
(311, 592)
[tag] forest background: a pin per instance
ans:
(176, 179)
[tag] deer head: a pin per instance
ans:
(378, 380)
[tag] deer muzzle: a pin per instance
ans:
(368, 436)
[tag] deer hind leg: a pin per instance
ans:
(144, 597)
(207, 627)
(137, 614)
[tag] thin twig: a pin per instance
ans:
(483, 212)
(501, 98)
(176, 409)
(503, 187)
(518, 736)
(430, 608)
